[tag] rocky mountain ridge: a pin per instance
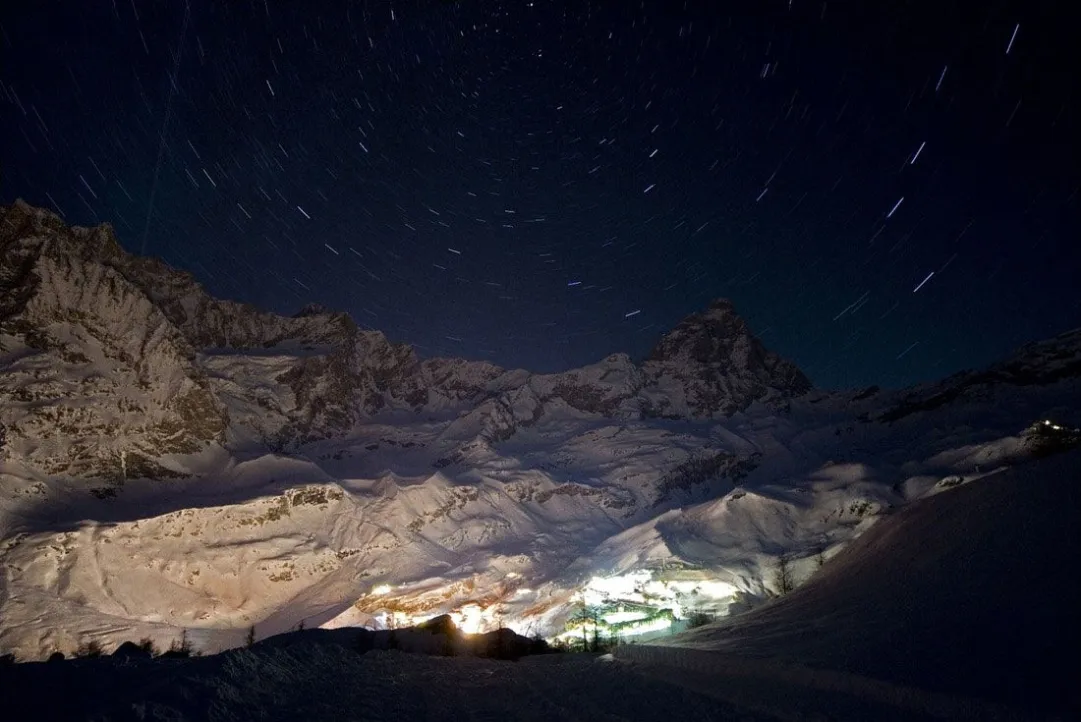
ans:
(72, 293)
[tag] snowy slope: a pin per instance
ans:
(170, 461)
(971, 592)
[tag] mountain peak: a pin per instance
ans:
(719, 365)
(721, 305)
(312, 309)
(704, 337)
(32, 230)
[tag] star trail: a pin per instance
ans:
(888, 194)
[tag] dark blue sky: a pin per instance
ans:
(544, 183)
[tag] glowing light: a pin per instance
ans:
(645, 627)
(381, 589)
(469, 619)
(625, 616)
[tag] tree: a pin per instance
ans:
(783, 580)
(249, 639)
(180, 647)
(586, 616)
(89, 649)
(147, 645)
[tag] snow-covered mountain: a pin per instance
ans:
(173, 461)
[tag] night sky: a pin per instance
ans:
(888, 191)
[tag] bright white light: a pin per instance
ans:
(650, 626)
(620, 617)
(469, 619)
(640, 587)
(381, 589)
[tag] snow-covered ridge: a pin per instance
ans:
(159, 447)
(76, 287)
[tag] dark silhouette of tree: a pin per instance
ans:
(89, 649)
(783, 580)
(180, 647)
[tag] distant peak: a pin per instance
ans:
(721, 304)
(719, 321)
(312, 309)
(713, 352)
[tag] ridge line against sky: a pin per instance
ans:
(886, 197)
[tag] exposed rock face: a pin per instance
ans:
(96, 381)
(711, 365)
(168, 369)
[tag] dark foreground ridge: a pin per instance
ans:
(970, 595)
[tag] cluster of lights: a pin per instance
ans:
(471, 619)
(633, 603)
(637, 603)
(640, 587)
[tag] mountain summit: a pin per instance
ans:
(717, 366)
